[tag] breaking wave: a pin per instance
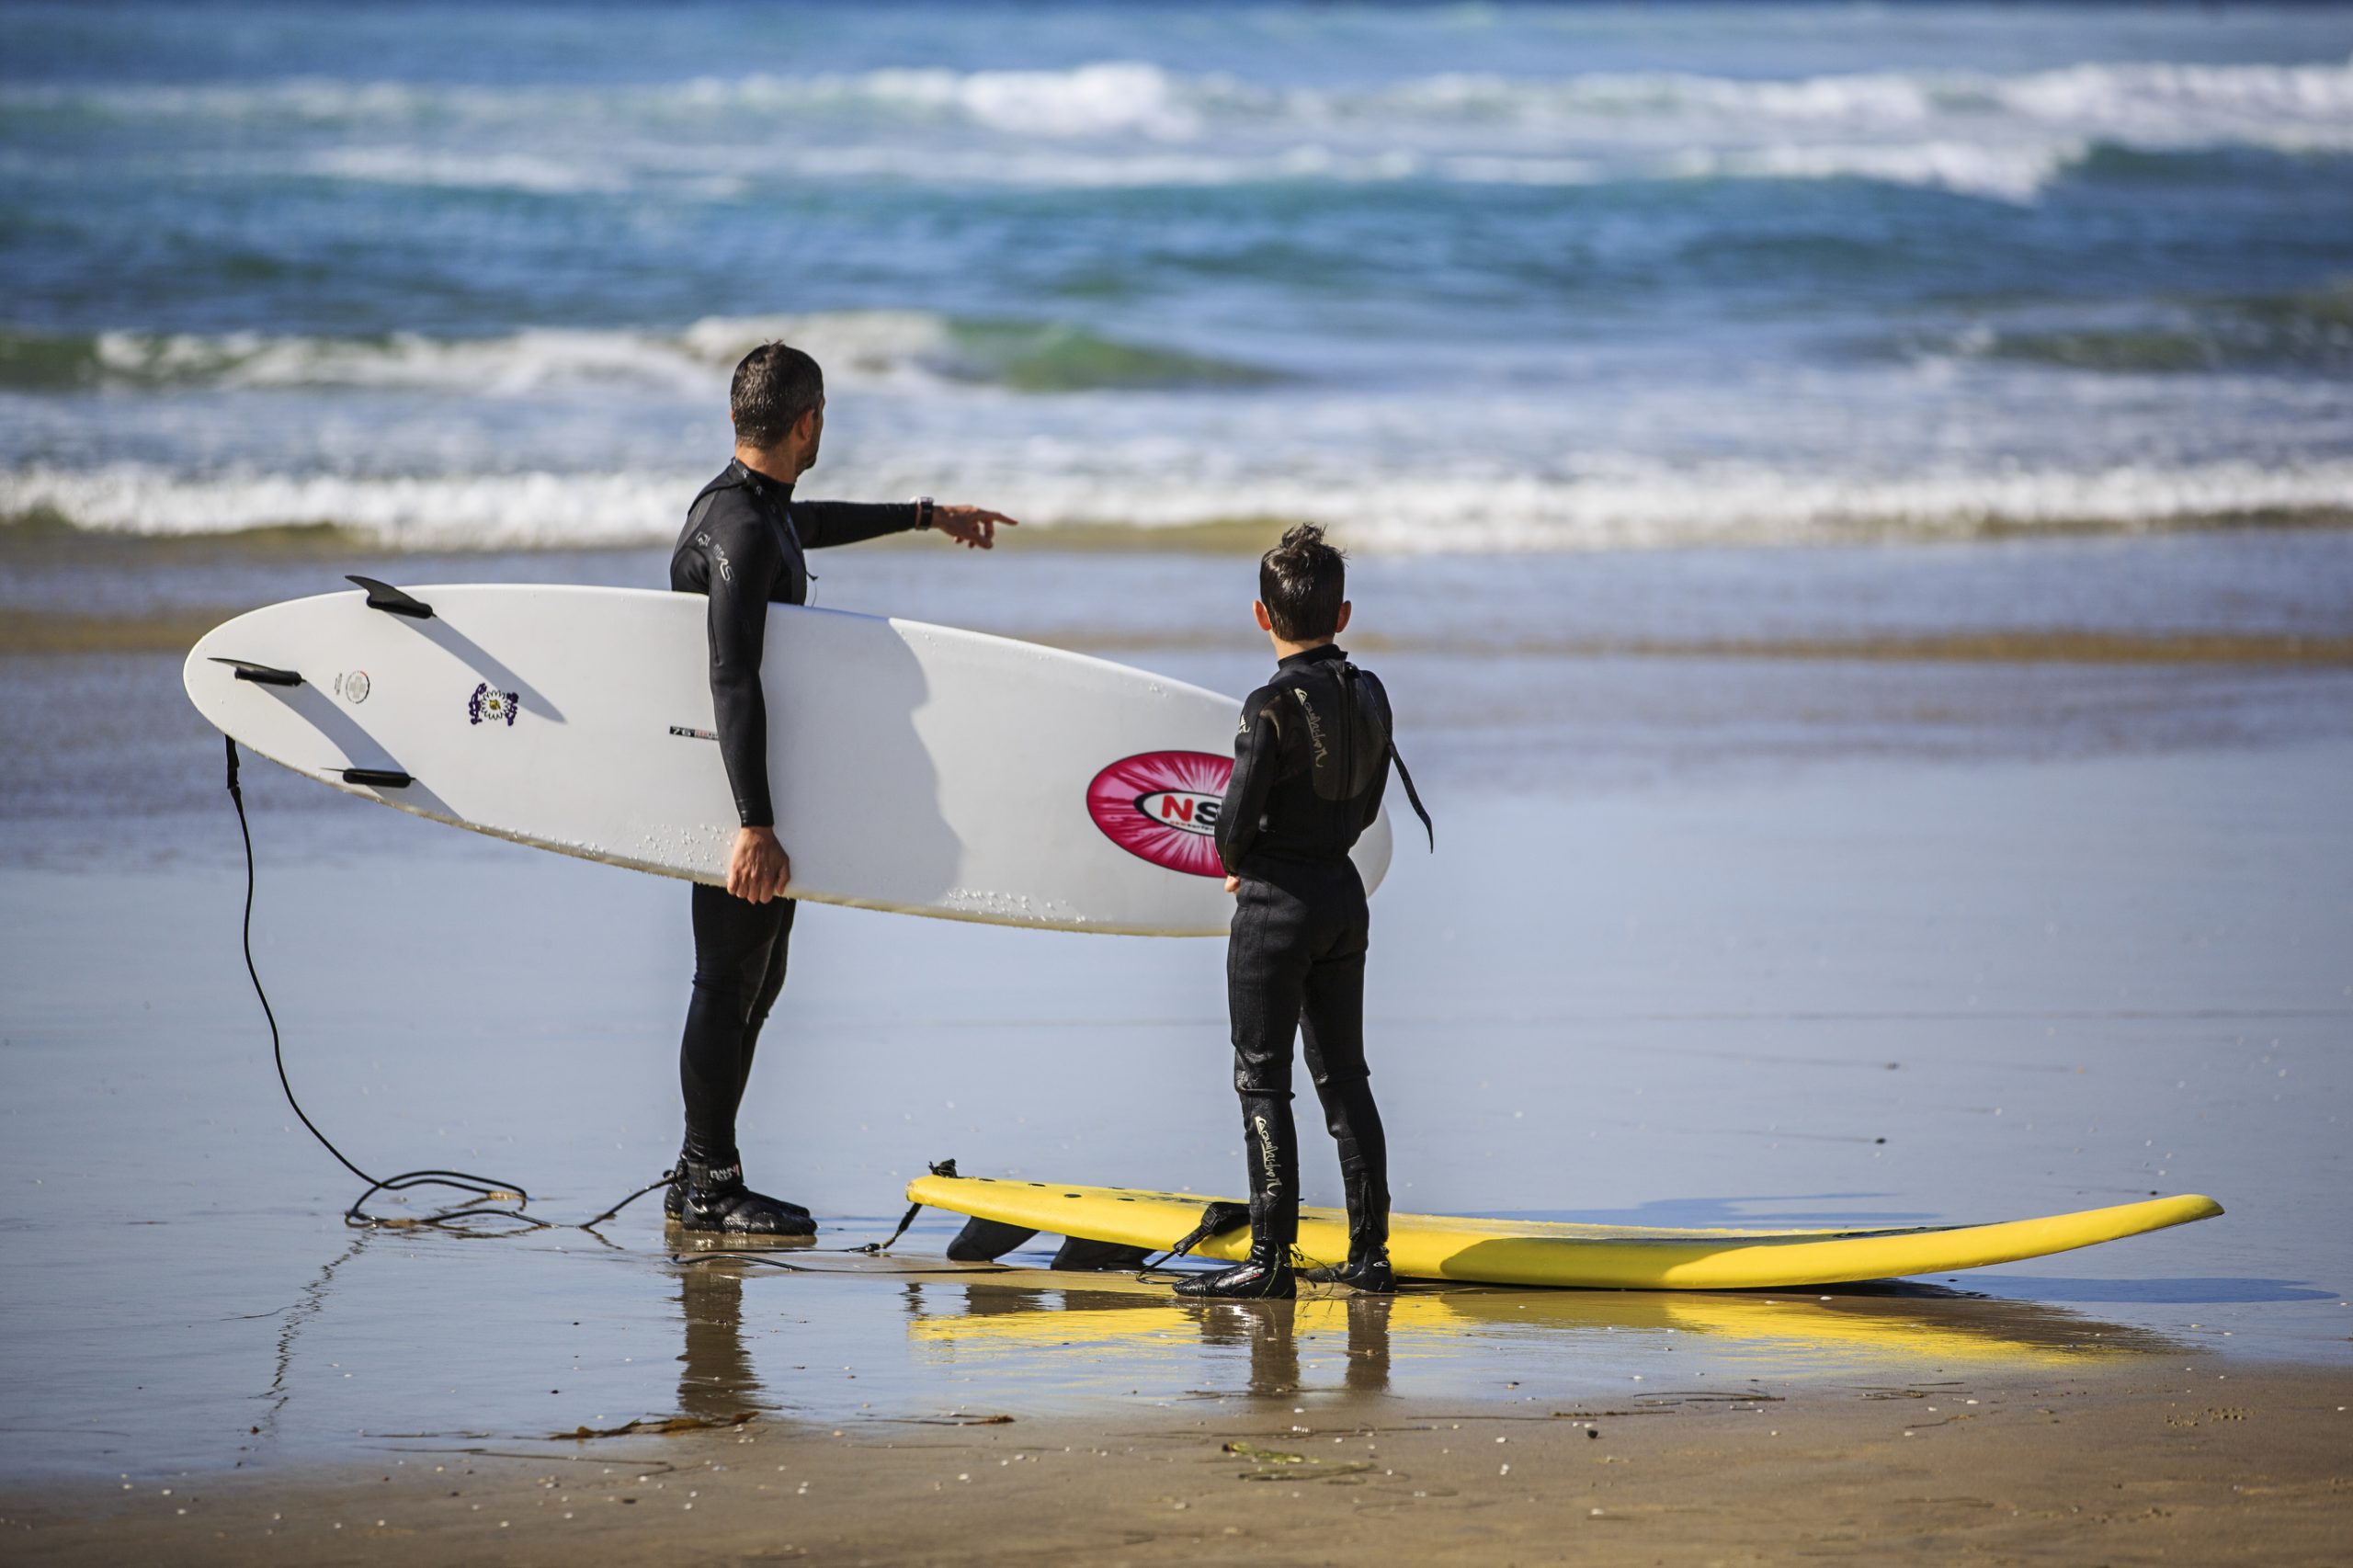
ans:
(1633, 506)
(2005, 136)
(855, 347)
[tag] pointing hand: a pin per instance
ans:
(973, 527)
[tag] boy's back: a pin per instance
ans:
(1311, 762)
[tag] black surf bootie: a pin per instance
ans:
(1264, 1276)
(1368, 1267)
(1366, 1272)
(714, 1199)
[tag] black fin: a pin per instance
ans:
(1081, 1256)
(384, 596)
(264, 675)
(985, 1241)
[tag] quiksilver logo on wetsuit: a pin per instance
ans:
(1161, 806)
(1314, 726)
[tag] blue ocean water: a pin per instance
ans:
(1453, 277)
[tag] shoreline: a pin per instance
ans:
(37, 633)
(44, 535)
(2090, 1465)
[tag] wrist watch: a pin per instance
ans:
(924, 509)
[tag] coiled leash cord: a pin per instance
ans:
(485, 1197)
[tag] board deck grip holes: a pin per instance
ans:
(263, 675)
(378, 778)
(393, 601)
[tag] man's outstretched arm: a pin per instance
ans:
(824, 524)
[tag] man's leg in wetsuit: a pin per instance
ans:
(1332, 1029)
(739, 969)
(1267, 960)
(763, 1000)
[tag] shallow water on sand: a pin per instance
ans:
(1890, 991)
(1537, 675)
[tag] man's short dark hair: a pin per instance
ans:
(1302, 582)
(775, 385)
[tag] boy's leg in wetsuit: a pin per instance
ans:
(1267, 960)
(1333, 1034)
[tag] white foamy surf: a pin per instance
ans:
(1111, 124)
(1633, 508)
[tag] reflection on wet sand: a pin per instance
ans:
(1006, 1333)
(716, 1380)
(1889, 1328)
(1272, 1332)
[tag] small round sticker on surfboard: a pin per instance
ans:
(1161, 806)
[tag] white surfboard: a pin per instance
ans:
(914, 767)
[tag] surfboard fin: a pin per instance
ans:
(391, 601)
(378, 778)
(1081, 1255)
(985, 1241)
(265, 674)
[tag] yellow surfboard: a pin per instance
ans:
(1536, 1252)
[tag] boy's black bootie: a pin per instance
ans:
(1264, 1276)
(714, 1199)
(1368, 1267)
(1369, 1272)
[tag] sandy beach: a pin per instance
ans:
(2182, 1464)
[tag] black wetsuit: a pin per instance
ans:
(744, 547)
(1311, 762)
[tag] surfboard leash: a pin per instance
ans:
(486, 1198)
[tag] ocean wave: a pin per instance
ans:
(2308, 330)
(1131, 122)
(1624, 506)
(2007, 173)
(860, 348)
(1136, 97)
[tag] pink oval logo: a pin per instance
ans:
(1162, 807)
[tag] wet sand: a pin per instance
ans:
(2181, 1464)
(1885, 888)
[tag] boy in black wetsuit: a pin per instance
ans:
(1311, 760)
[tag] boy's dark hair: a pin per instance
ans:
(775, 385)
(1302, 582)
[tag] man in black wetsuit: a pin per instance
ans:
(744, 547)
(1310, 761)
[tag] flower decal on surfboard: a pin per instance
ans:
(490, 706)
(1161, 806)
